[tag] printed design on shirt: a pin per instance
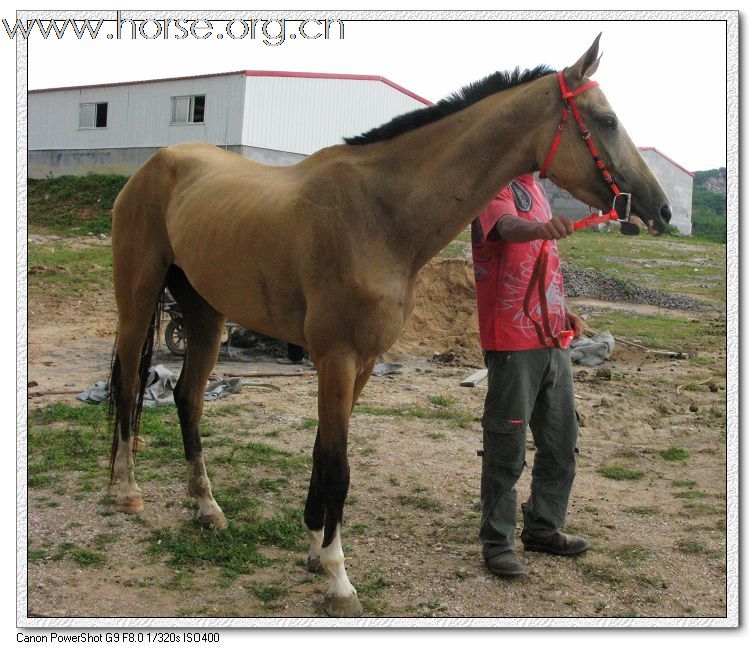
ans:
(510, 297)
(522, 197)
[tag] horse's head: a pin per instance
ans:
(570, 163)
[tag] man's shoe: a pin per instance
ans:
(561, 544)
(506, 565)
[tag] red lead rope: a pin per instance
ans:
(544, 331)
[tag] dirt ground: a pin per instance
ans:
(658, 541)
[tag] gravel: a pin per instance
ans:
(596, 285)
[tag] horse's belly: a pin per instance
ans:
(250, 289)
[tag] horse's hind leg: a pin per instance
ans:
(204, 328)
(137, 303)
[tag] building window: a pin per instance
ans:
(93, 115)
(187, 110)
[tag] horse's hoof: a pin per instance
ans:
(343, 606)
(313, 565)
(212, 520)
(129, 504)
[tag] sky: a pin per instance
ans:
(666, 79)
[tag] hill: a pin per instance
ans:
(709, 205)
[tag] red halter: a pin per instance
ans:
(564, 338)
(570, 106)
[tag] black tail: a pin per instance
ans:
(115, 385)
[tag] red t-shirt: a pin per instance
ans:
(503, 271)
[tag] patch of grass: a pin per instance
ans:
(64, 272)
(235, 549)
(422, 502)
(86, 558)
(269, 485)
(683, 483)
(261, 454)
(73, 205)
(267, 594)
(441, 401)
(632, 555)
(703, 508)
(83, 557)
(54, 449)
(457, 418)
(102, 540)
(660, 331)
(35, 556)
(691, 546)
(691, 494)
(454, 250)
(673, 453)
(601, 573)
(307, 424)
(373, 583)
(436, 436)
(357, 528)
(621, 473)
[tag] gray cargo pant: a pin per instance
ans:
(532, 388)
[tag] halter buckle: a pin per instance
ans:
(628, 210)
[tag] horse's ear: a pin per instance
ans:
(587, 64)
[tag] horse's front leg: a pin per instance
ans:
(337, 378)
(314, 511)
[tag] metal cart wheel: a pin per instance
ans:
(175, 337)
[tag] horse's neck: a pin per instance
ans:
(443, 175)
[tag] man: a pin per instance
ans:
(529, 376)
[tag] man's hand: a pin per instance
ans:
(557, 227)
(576, 323)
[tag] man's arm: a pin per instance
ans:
(518, 230)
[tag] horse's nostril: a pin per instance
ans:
(666, 213)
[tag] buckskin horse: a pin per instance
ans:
(327, 252)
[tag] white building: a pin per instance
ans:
(272, 117)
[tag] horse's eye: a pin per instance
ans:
(609, 122)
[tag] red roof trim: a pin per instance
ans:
(332, 75)
(663, 155)
(269, 73)
(125, 83)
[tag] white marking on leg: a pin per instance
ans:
(315, 543)
(199, 489)
(332, 561)
(123, 471)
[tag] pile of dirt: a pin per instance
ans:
(444, 321)
(444, 325)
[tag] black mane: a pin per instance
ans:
(455, 102)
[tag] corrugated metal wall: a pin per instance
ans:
(303, 115)
(138, 114)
